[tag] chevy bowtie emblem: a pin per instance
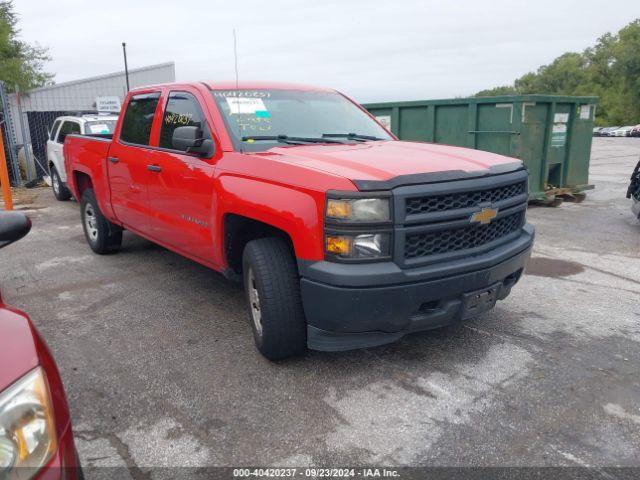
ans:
(484, 216)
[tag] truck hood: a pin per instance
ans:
(374, 163)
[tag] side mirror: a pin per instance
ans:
(13, 226)
(189, 139)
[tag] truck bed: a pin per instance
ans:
(88, 154)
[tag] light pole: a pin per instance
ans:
(126, 68)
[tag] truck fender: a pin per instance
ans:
(296, 212)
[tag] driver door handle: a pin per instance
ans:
(154, 168)
(114, 159)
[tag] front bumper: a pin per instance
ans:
(356, 306)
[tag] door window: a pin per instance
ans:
(138, 118)
(68, 128)
(182, 110)
(54, 129)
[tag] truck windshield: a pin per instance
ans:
(258, 120)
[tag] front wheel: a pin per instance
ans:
(60, 191)
(102, 235)
(272, 287)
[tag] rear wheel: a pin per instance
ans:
(102, 235)
(272, 287)
(60, 191)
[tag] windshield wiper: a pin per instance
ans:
(288, 139)
(351, 136)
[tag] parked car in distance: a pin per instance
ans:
(597, 130)
(93, 124)
(344, 236)
(606, 132)
(621, 132)
(36, 438)
(635, 131)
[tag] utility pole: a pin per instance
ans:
(126, 68)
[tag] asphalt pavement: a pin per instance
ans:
(160, 369)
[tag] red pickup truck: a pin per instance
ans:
(344, 236)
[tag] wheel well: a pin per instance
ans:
(239, 230)
(83, 181)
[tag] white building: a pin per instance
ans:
(80, 95)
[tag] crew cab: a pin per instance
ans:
(62, 126)
(36, 438)
(343, 236)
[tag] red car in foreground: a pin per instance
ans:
(36, 440)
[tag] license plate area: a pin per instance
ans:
(478, 302)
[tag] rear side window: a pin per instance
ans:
(138, 118)
(182, 110)
(54, 129)
(68, 128)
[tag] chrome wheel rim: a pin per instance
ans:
(56, 183)
(254, 302)
(90, 221)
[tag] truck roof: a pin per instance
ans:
(88, 117)
(244, 85)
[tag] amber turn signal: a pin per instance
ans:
(338, 208)
(339, 244)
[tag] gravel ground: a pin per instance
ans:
(160, 368)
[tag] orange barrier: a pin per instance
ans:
(4, 177)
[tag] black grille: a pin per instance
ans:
(452, 201)
(445, 241)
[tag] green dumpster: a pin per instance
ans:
(551, 134)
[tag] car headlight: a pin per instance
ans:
(27, 430)
(358, 210)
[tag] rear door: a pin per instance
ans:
(128, 160)
(180, 184)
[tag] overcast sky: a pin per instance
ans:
(373, 50)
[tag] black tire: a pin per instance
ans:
(60, 191)
(102, 236)
(269, 268)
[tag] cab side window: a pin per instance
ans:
(138, 118)
(182, 110)
(54, 129)
(68, 128)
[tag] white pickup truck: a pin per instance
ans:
(95, 124)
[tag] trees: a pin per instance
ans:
(20, 63)
(610, 69)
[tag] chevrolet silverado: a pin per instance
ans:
(343, 236)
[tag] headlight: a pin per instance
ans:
(358, 210)
(367, 246)
(27, 430)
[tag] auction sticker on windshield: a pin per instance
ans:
(240, 105)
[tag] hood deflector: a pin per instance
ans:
(434, 177)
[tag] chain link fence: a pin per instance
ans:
(8, 137)
(33, 116)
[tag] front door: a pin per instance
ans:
(128, 160)
(180, 187)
